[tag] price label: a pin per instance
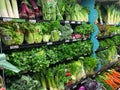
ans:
(113, 57)
(66, 21)
(74, 39)
(74, 86)
(84, 38)
(98, 73)
(32, 20)
(49, 43)
(7, 38)
(70, 58)
(73, 22)
(18, 20)
(14, 47)
(85, 54)
(83, 81)
(7, 19)
(93, 76)
(67, 40)
(78, 22)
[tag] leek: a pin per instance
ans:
(3, 9)
(15, 8)
(9, 8)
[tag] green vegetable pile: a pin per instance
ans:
(66, 32)
(12, 33)
(90, 63)
(63, 10)
(84, 29)
(107, 56)
(108, 30)
(108, 14)
(15, 33)
(36, 59)
(25, 83)
(56, 78)
(19, 33)
(115, 40)
(50, 10)
(74, 11)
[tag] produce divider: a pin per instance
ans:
(5, 19)
(84, 80)
(23, 46)
(107, 36)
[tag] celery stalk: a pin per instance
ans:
(15, 8)
(3, 9)
(9, 8)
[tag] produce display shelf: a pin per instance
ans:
(107, 36)
(5, 19)
(105, 0)
(84, 80)
(101, 49)
(23, 46)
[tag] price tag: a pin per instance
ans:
(74, 86)
(73, 22)
(98, 73)
(18, 20)
(49, 43)
(85, 54)
(14, 47)
(74, 39)
(7, 38)
(113, 57)
(83, 81)
(67, 40)
(78, 22)
(70, 58)
(93, 76)
(32, 20)
(67, 22)
(84, 38)
(7, 19)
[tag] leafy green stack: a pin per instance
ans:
(36, 59)
(12, 33)
(107, 56)
(74, 11)
(50, 10)
(58, 77)
(108, 30)
(108, 13)
(15, 33)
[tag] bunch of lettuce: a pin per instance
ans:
(11, 33)
(66, 32)
(74, 11)
(55, 33)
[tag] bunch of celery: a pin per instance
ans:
(109, 14)
(58, 77)
(50, 10)
(9, 8)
